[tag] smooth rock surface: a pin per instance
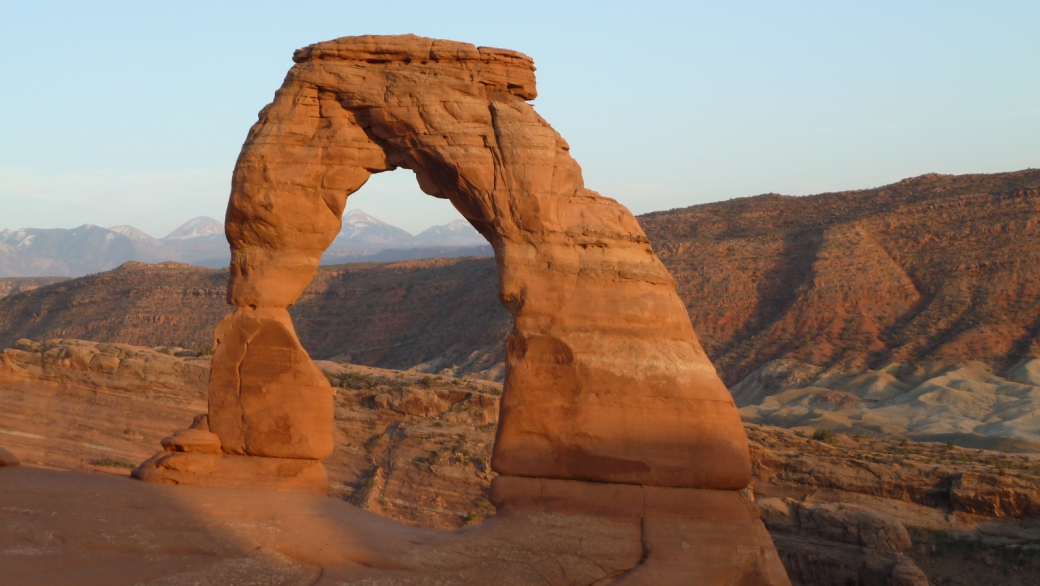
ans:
(69, 527)
(266, 397)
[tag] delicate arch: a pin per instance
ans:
(606, 380)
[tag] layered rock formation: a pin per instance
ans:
(611, 410)
(874, 544)
(937, 268)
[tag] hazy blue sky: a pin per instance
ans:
(133, 113)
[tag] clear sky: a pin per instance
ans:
(133, 113)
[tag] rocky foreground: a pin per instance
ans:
(414, 448)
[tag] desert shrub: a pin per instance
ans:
(357, 381)
(109, 462)
(824, 435)
(427, 381)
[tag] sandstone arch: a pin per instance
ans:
(606, 380)
(607, 387)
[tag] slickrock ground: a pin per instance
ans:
(414, 448)
(74, 527)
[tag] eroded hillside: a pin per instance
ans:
(937, 267)
(439, 315)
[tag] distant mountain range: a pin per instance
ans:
(59, 252)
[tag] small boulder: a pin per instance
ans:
(26, 344)
(192, 440)
(105, 363)
(7, 458)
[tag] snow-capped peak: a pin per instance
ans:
(454, 233)
(195, 227)
(358, 218)
(134, 234)
(458, 226)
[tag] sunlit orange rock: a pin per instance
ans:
(606, 379)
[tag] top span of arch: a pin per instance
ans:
(510, 71)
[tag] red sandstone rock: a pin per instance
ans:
(606, 380)
(192, 440)
(231, 471)
(566, 533)
(266, 397)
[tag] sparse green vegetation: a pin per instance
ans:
(359, 382)
(110, 463)
(824, 435)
